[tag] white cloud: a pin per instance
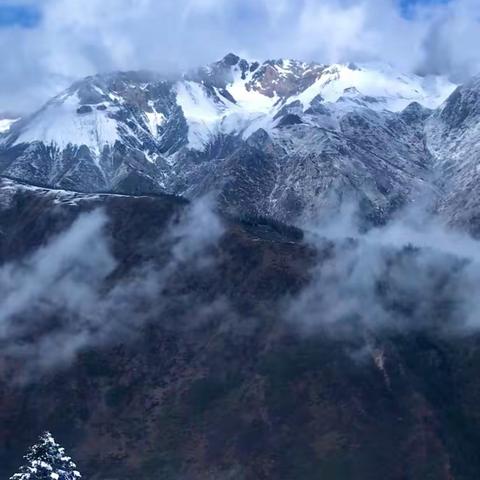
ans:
(81, 37)
(63, 297)
(414, 273)
(332, 32)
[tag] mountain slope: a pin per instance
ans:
(214, 381)
(453, 136)
(282, 138)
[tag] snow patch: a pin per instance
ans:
(209, 114)
(6, 123)
(249, 100)
(393, 91)
(60, 124)
(201, 111)
(154, 120)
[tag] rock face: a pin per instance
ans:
(283, 138)
(453, 137)
(214, 382)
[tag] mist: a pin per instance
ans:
(414, 274)
(67, 296)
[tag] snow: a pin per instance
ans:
(154, 119)
(6, 123)
(46, 459)
(208, 116)
(200, 111)
(284, 69)
(388, 89)
(250, 101)
(209, 113)
(394, 90)
(61, 197)
(116, 98)
(60, 125)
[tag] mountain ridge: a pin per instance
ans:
(282, 138)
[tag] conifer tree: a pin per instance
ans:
(46, 460)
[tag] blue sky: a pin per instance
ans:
(18, 15)
(406, 6)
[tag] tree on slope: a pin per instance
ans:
(46, 460)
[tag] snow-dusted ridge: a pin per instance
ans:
(282, 138)
(251, 96)
(62, 123)
(256, 104)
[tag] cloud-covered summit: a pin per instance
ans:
(80, 37)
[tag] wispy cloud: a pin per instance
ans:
(414, 273)
(65, 296)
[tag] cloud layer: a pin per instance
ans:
(82, 37)
(413, 274)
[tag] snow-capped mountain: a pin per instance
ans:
(234, 96)
(120, 302)
(281, 138)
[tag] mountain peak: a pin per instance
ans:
(230, 59)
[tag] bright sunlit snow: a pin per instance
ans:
(61, 125)
(5, 124)
(395, 91)
(209, 112)
(154, 120)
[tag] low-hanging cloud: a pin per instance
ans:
(54, 270)
(66, 297)
(414, 273)
(82, 37)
